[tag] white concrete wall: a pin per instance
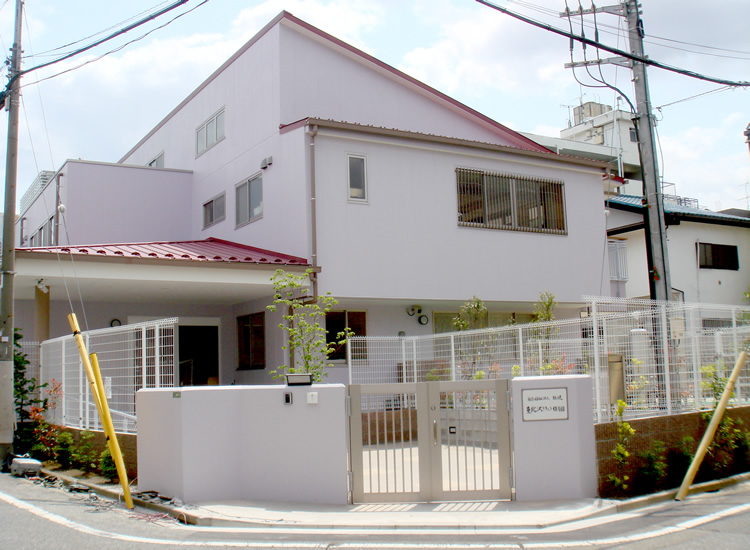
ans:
(243, 442)
(555, 459)
(405, 242)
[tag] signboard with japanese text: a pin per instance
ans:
(545, 404)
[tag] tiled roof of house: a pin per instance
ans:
(208, 250)
(633, 202)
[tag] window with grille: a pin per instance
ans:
(718, 256)
(494, 200)
(618, 260)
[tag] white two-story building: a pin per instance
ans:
(302, 151)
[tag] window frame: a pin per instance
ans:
(157, 161)
(365, 198)
(214, 218)
(340, 354)
(246, 343)
(727, 256)
(218, 125)
(510, 202)
(257, 177)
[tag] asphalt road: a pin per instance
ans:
(39, 518)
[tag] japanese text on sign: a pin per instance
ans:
(545, 404)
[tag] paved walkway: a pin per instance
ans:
(454, 515)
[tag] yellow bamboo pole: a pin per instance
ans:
(708, 437)
(109, 430)
(97, 397)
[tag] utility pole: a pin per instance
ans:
(660, 282)
(8, 266)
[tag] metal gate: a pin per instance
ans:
(430, 441)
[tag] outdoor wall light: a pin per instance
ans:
(299, 379)
(423, 319)
(411, 311)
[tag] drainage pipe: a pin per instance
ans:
(708, 437)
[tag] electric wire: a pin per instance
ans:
(616, 51)
(120, 47)
(714, 91)
(648, 38)
(57, 49)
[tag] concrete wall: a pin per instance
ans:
(243, 442)
(556, 458)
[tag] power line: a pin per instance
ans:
(616, 51)
(122, 46)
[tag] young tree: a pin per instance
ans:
(302, 315)
(25, 389)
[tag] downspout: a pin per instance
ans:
(313, 216)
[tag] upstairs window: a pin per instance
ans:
(157, 162)
(357, 178)
(718, 256)
(209, 133)
(214, 210)
(249, 200)
(494, 200)
(618, 260)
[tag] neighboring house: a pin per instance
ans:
(709, 252)
(398, 197)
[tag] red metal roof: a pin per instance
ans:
(208, 250)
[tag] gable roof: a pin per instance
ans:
(207, 250)
(290, 21)
(676, 212)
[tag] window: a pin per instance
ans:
(209, 133)
(618, 260)
(718, 256)
(249, 199)
(251, 341)
(633, 135)
(357, 178)
(45, 235)
(515, 203)
(158, 162)
(336, 321)
(214, 210)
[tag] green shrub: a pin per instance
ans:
(653, 470)
(678, 461)
(83, 454)
(63, 449)
(107, 465)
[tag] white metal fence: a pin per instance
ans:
(130, 357)
(659, 357)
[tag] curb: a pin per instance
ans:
(608, 507)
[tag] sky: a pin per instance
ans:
(96, 107)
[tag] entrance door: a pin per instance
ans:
(199, 355)
(430, 441)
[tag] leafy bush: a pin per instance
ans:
(107, 465)
(653, 470)
(678, 461)
(83, 454)
(63, 449)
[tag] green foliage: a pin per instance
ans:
(516, 371)
(653, 470)
(83, 453)
(45, 434)
(678, 461)
(545, 307)
(107, 465)
(63, 449)
(473, 315)
(306, 336)
(619, 480)
(24, 389)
